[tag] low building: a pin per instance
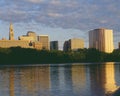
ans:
(26, 38)
(37, 45)
(73, 44)
(26, 41)
(32, 34)
(15, 43)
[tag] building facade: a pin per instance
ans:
(54, 45)
(101, 39)
(27, 38)
(44, 39)
(73, 44)
(32, 34)
(15, 43)
(37, 45)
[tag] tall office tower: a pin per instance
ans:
(54, 45)
(101, 39)
(11, 32)
(32, 34)
(44, 39)
(73, 44)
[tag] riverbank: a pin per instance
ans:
(19, 55)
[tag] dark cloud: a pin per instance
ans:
(77, 14)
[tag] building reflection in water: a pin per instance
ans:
(110, 84)
(11, 82)
(70, 80)
(32, 81)
(80, 80)
(102, 77)
(35, 81)
(4, 82)
(61, 81)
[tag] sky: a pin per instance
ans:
(60, 19)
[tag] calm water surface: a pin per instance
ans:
(60, 80)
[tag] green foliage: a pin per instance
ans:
(17, 55)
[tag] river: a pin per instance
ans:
(77, 79)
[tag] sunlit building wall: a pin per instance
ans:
(32, 34)
(31, 37)
(101, 39)
(76, 43)
(44, 39)
(73, 44)
(37, 45)
(27, 38)
(15, 43)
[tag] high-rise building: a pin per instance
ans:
(73, 44)
(44, 39)
(54, 45)
(101, 39)
(11, 32)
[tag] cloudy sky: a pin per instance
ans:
(60, 19)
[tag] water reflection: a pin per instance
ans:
(27, 81)
(102, 77)
(61, 82)
(35, 81)
(11, 82)
(110, 85)
(68, 80)
(79, 80)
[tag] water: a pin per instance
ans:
(60, 80)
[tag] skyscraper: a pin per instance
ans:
(101, 39)
(11, 32)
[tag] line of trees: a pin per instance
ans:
(17, 55)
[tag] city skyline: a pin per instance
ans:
(95, 33)
(60, 19)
